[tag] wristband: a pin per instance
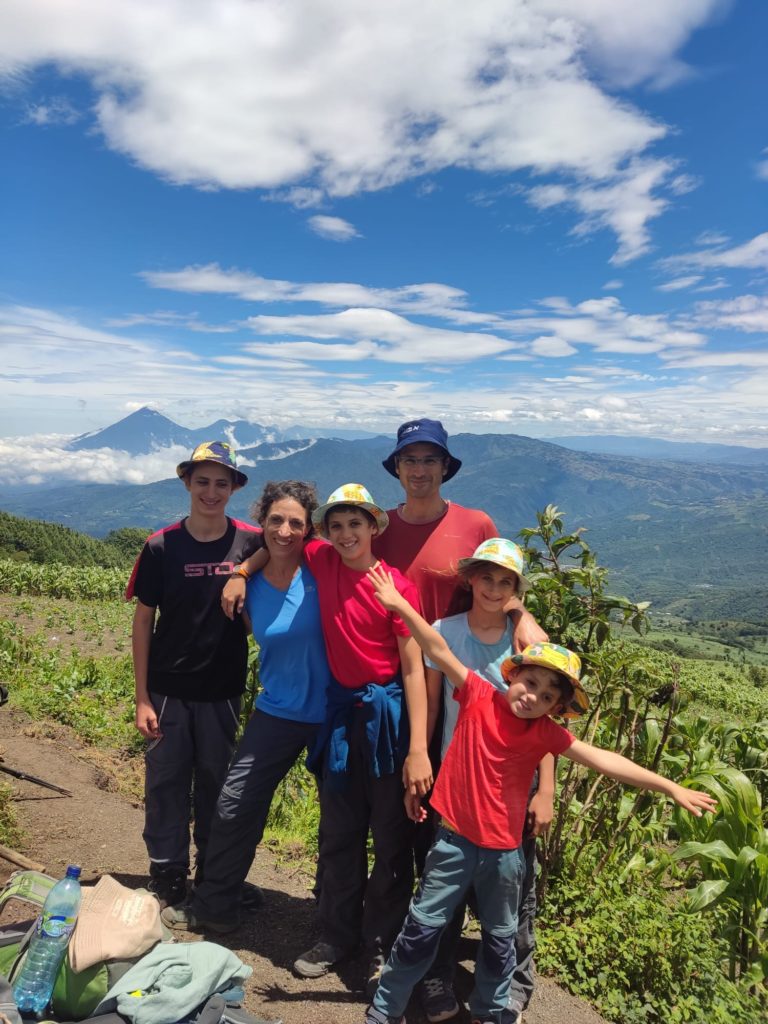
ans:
(240, 570)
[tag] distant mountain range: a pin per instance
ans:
(672, 529)
(656, 448)
(146, 430)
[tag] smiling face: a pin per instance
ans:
(421, 468)
(285, 525)
(351, 531)
(535, 691)
(492, 586)
(210, 487)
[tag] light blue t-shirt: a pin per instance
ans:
(293, 667)
(485, 659)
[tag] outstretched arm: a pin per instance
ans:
(233, 594)
(621, 768)
(428, 639)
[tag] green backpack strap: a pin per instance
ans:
(28, 886)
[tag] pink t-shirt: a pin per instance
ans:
(360, 635)
(428, 553)
(482, 788)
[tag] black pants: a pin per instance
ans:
(354, 907)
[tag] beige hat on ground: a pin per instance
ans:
(114, 923)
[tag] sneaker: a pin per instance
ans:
(375, 967)
(318, 960)
(184, 919)
(373, 1016)
(170, 887)
(438, 1000)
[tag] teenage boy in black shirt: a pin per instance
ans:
(189, 664)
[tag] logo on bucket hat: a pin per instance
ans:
(557, 659)
(499, 551)
(422, 431)
(213, 451)
(350, 494)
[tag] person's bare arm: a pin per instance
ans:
(541, 809)
(417, 770)
(428, 639)
(434, 691)
(527, 629)
(141, 637)
(233, 594)
(621, 768)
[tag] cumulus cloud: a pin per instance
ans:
(54, 111)
(32, 460)
(302, 100)
(333, 228)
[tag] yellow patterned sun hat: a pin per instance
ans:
(350, 494)
(500, 552)
(558, 659)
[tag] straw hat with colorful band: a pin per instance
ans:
(213, 451)
(500, 552)
(350, 494)
(558, 659)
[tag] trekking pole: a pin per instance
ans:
(32, 778)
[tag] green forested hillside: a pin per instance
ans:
(30, 540)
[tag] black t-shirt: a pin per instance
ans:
(196, 652)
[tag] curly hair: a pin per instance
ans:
(274, 490)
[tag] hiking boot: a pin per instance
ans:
(318, 960)
(184, 919)
(375, 967)
(374, 1016)
(438, 1000)
(251, 897)
(170, 887)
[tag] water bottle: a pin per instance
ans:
(34, 984)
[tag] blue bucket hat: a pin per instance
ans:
(422, 431)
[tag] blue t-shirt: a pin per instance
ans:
(293, 667)
(485, 659)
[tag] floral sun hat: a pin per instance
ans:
(350, 494)
(501, 552)
(558, 659)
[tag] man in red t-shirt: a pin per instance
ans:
(427, 536)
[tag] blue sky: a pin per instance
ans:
(539, 217)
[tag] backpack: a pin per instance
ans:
(75, 996)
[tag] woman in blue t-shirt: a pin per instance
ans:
(282, 610)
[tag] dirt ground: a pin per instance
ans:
(101, 830)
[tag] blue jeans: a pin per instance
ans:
(453, 865)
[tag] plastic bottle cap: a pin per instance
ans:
(73, 871)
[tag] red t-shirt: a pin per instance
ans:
(428, 553)
(360, 634)
(482, 788)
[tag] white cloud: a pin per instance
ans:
(551, 348)
(307, 101)
(613, 285)
(679, 283)
(747, 313)
(333, 228)
(375, 334)
(56, 110)
(751, 255)
(761, 168)
(31, 460)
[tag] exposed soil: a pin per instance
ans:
(101, 830)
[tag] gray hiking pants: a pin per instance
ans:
(267, 751)
(184, 774)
